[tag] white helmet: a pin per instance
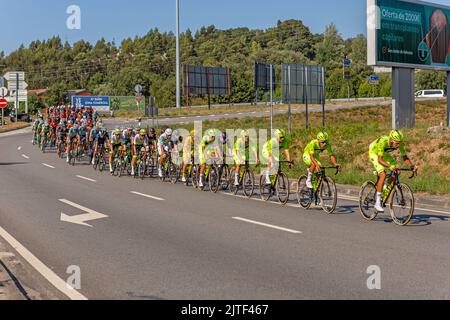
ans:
(168, 132)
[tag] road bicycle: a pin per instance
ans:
(397, 195)
(246, 181)
(223, 179)
(324, 191)
(99, 159)
(169, 170)
(278, 185)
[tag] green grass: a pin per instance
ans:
(352, 131)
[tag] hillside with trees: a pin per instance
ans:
(106, 68)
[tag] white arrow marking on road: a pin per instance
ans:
(26, 157)
(87, 179)
(48, 166)
(82, 218)
(147, 196)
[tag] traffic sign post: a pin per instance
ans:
(347, 64)
(3, 105)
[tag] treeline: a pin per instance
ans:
(110, 69)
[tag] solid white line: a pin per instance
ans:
(417, 209)
(147, 196)
(26, 157)
(87, 179)
(48, 166)
(267, 225)
(48, 274)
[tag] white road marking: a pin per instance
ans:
(267, 225)
(81, 219)
(147, 196)
(87, 179)
(349, 198)
(226, 114)
(48, 166)
(48, 274)
(19, 148)
(25, 156)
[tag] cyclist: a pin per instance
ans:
(241, 151)
(164, 147)
(36, 128)
(381, 159)
(207, 153)
(101, 142)
(188, 154)
(116, 144)
(270, 153)
(311, 155)
(139, 142)
(127, 137)
(152, 140)
(45, 132)
(71, 136)
(61, 135)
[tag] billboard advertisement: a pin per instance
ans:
(100, 104)
(408, 33)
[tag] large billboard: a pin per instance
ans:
(100, 104)
(408, 33)
(303, 84)
(206, 80)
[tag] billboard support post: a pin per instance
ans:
(17, 96)
(448, 99)
(323, 97)
(271, 98)
(403, 103)
(306, 96)
(289, 94)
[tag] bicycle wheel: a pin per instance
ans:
(96, 162)
(233, 188)
(213, 179)
(72, 158)
(142, 170)
(101, 164)
(328, 195)
(367, 200)
(282, 188)
(195, 174)
(265, 189)
(173, 173)
(224, 180)
(248, 183)
(304, 194)
(401, 205)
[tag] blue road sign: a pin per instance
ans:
(100, 104)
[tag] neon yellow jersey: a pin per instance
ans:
(313, 148)
(381, 147)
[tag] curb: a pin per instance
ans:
(14, 129)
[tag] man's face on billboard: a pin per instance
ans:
(439, 36)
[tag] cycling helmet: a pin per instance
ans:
(143, 132)
(152, 131)
(397, 136)
(193, 133)
(280, 133)
(322, 136)
(168, 132)
(117, 131)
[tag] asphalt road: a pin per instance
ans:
(172, 242)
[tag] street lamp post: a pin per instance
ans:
(178, 95)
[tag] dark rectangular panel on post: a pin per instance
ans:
(303, 84)
(199, 80)
(262, 76)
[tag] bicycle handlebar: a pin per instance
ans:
(326, 168)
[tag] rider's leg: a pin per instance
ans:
(111, 154)
(133, 165)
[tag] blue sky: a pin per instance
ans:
(28, 20)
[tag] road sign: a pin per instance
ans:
(3, 92)
(3, 103)
(347, 63)
(2, 81)
(139, 98)
(138, 88)
(374, 79)
(12, 85)
(12, 76)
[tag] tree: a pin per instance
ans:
(330, 52)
